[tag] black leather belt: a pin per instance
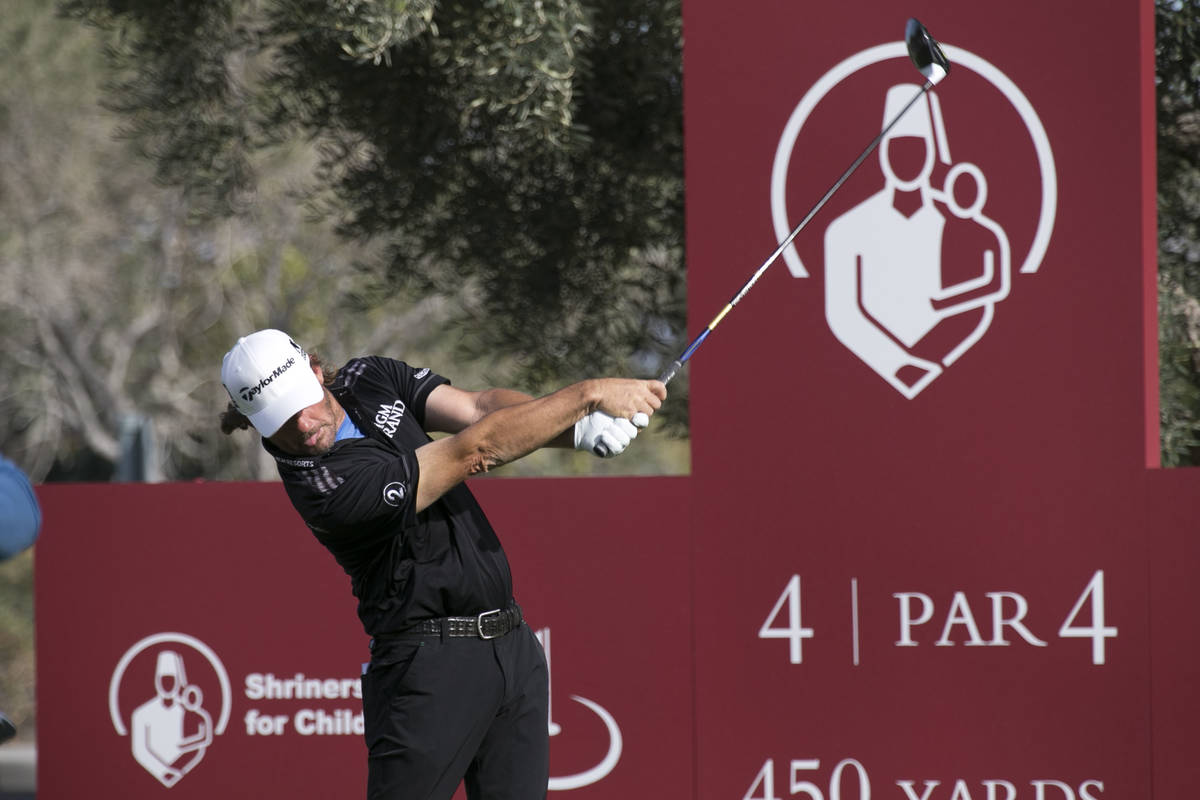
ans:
(488, 625)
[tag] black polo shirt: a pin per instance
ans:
(358, 499)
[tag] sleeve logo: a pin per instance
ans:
(394, 494)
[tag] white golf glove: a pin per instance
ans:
(610, 434)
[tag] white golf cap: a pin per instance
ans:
(268, 378)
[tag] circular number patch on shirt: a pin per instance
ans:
(393, 493)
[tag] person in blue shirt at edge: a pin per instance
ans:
(457, 685)
(20, 522)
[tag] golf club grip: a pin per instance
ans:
(670, 371)
(665, 378)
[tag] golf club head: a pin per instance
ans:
(926, 54)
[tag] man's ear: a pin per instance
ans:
(319, 373)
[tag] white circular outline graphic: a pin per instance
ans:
(396, 493)
(883, 52)
(114, 685)
(606, 765)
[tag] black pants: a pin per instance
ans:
(440, 711)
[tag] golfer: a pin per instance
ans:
(457, 684)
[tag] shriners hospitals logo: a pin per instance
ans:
(915, 269)
(170, 695)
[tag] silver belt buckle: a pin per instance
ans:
(479, 623)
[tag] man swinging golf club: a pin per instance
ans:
(457, 684)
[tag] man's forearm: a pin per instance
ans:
(513, 431)
(496, 399)
(450, 410)
(504, 435)
(517, 429)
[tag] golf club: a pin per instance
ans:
(931, 62)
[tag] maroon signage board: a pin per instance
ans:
(144, 592)
(194, 640)
(1172, 508)
(925, 551)
(920, 442)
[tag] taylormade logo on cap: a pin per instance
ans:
(248, 392)
(258, 374)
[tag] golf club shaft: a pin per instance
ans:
(678, 363)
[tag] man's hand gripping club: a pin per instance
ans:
(607, 435)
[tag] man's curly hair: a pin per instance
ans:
(234, 420)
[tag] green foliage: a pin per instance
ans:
(179, 86)
(524, 157)
(1177, 58)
